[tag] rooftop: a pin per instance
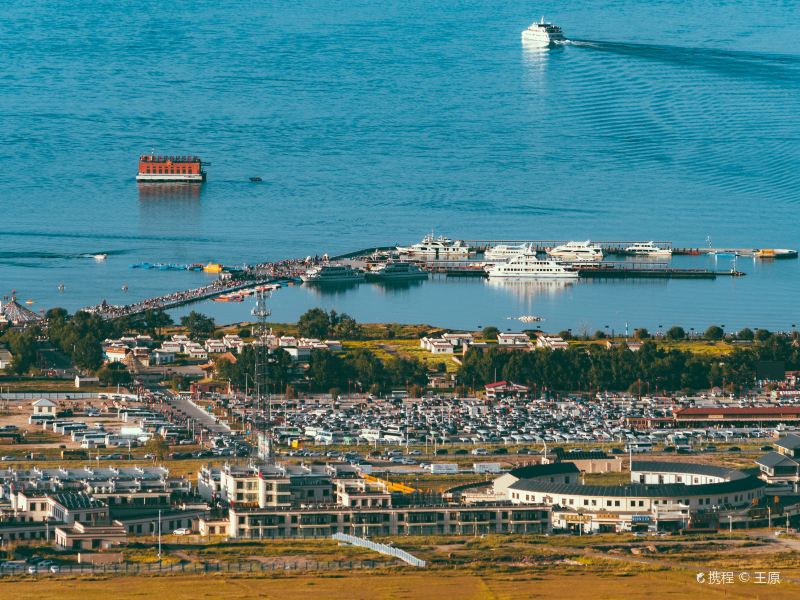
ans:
(639, 490)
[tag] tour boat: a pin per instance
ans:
(332, 274)
(396, 270)
(528, 266)
(440, 247)
(647, 249)
(542, 34)
(181, 169)
(577, 251)
(503, 251)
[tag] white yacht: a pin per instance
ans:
(504, 252)
(647, 249)
(328, 273)
(577, 251)
(440, 247)
(528, 266)
(396, 270)
(542, 34)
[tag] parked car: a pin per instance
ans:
(182, 531)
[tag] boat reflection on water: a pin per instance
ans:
(389, 286)
(330, 288)
(169, 191)
(530, 288)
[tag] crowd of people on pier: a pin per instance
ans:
(287, 268)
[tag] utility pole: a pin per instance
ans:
(159, 535)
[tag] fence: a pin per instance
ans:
(47, 395)
(178, 568)
(381, 548)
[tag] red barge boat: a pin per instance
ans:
(181, 169)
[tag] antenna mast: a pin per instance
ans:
(261, 379)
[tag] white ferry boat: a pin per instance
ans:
(332, 274)
(528, 266)
(440, 247)
(504, 252)
(647, 249)
(542, 34)
(577, 251)
(396, 270)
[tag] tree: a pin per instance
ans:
(599, 335)
(155, 320)
(158, 447)
(676, 333)
(762, 335)
(641, 333)
(199, 325)
(714, 333)
(490, 333)
(346, 328)
(745, 334)
(23, 348)
(114, 374)
(56, 314)
(565, 335)
(314, 323)
(88, 353)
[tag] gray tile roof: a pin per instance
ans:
(561, 468)
(639, 490)
(775, 459)
(660, 466)
(790, 442)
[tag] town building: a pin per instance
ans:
(551, 342)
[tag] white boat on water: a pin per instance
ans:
(332, 274)
(542, 34)
(439, 247)
(504, 251)
(396, 271)
(99, 257)
(577, 251)
(647, 249)
(528, 266)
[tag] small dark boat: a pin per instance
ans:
(256, 180)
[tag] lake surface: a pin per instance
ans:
(373, 123)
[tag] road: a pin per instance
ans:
(191, 411)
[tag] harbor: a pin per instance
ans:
(391, 270)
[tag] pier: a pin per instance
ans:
(617, 248)
(621, 270)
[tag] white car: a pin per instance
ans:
(182, 531)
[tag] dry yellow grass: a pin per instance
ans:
(411, 584)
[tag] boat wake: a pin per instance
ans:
(733, 63)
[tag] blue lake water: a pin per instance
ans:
(375, 122)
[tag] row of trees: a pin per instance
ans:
(620, 369)
(362, 370)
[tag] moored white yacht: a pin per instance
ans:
(577, 251)
(395, 271)
(542, 34)
(504, 252)
(647, 249)
(440, 247)
(528, 266)
(330, 273)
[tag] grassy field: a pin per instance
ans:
(492, 566)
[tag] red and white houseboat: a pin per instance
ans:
(154, 168)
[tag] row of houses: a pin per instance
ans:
(449, 343)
